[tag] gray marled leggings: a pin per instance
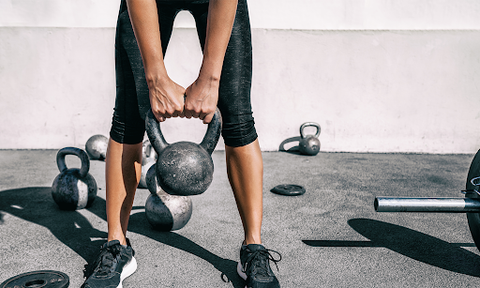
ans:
(132, 97)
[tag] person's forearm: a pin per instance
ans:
(221, 16)
(144, 18)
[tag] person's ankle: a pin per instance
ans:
(123, 240)
(252, 240)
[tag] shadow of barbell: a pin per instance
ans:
(410, 243)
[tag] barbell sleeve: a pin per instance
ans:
(439, 205)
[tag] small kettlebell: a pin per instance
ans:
(149, 157)
(309, 144)
(73, 188)
(165, 212)
(184, 168)
(96, 147)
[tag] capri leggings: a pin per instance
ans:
(132, 97)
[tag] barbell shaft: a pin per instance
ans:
(440, 205)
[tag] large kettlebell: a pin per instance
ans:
(73, 188)
(309, 144)
(165, 212)
(149, 157)
(184, 168)
(96, 147)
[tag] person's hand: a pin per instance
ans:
(201, 99)
(166, 98)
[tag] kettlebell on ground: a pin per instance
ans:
(163, 211)
(96, 147)
(184, 168)
(73, 188)
(149, 157)
(309, 144)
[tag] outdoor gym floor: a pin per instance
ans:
(329, 237)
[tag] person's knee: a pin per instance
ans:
(239, 134)
(127, 134)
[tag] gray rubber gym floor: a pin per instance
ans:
(329, 237)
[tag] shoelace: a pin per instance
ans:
(104, 261)
(260, 259)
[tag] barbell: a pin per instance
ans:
(469, 204)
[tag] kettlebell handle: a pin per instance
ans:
(212, 134)
(209, 142)
(310, 124)
(77, 152)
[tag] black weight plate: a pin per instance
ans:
(288, 190)
(474, 218)
(38, 279)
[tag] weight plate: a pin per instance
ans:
(474, 218)
(38, 279)
(288, 190)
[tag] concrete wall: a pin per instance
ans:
(378, 76)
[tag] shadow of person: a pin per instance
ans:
(36, 205)
(410, 243)
(227, 267)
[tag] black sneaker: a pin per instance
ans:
(254, 266)
(114, 263)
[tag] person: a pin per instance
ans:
(143, 31)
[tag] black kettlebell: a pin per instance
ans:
(163, 211)
(73, 188)
(184, 168)
(309, 144)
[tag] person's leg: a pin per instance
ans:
(116, 261)
(243, 155)
(245, 172)
(122, 172)
(124, 153)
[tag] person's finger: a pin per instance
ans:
(159, 117)
(208, 118)
(188, 114)
(180, 108)
(181, 114)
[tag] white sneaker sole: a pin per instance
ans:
(241, 273)
(128, 270)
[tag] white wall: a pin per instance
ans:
(379, 76)
(266, 14)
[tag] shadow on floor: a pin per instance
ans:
(410, 243)
(292, 150)
(35, 204)
(227, 267)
